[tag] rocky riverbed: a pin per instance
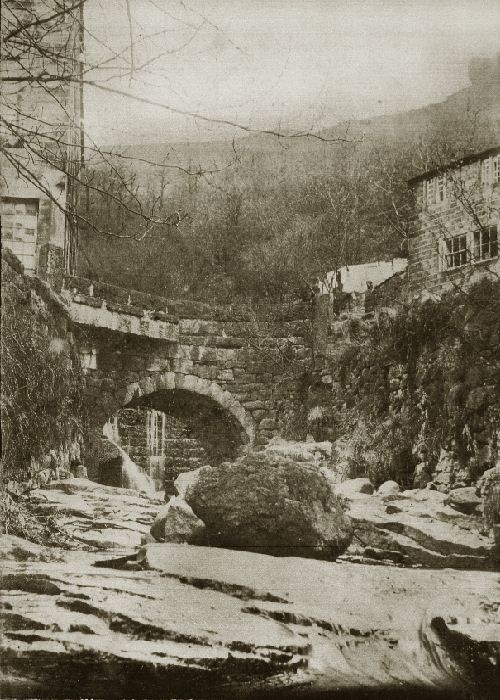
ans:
(111, 619)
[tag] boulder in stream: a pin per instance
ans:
(266, 503)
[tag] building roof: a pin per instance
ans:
(493, 151)
(355, 278)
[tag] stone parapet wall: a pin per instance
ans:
(176, 309)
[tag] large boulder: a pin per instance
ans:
(388, 488)
(266, 503)
(177, 523)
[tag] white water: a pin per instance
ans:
(132, 476)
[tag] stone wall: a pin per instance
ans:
(391, 294)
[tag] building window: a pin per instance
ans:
(435, 190)
(486, 243)
(430, 191)
(456, 251)
(490, 170)
(441, 188)
(19, 229)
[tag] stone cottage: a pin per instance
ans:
(455, 236)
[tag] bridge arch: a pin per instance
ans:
(212, 414)
(175, 381)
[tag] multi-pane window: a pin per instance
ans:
(435, 190)
(486, 243)
(456, 251)
(441, 188)
(19, 228)
(472, 247)
(490, 170)
(430, 191)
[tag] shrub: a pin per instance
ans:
(446, 394)
(18, 519)
(42, 388)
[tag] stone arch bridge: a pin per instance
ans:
(232, 376)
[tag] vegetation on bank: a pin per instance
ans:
(425, 379)
(19, 518)
(42, 386)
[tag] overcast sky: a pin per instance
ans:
(301, 64)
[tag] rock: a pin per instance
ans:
(421, 476)
(263, 502)
(148, 539)
(95, 515)
(447, 471)
(352, 487)
(309, 451)
(187, 481)
(388, 488)
(63, 473)
(52, 500)
(177, 523)
(489, 487)
(464, 499)
(421, 526)
(17, 549)
(390, 509)
(204, 622)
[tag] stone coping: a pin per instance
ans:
(179, 308)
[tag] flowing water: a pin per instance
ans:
(132, 475)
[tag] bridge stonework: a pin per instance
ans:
(232, 375)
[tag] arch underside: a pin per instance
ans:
(216, 427)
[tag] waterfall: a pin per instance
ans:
(132, 476)
(155, 433)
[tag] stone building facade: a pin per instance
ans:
(456, 230)
(42, 127)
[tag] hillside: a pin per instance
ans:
(480, 101)
(263, 217)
